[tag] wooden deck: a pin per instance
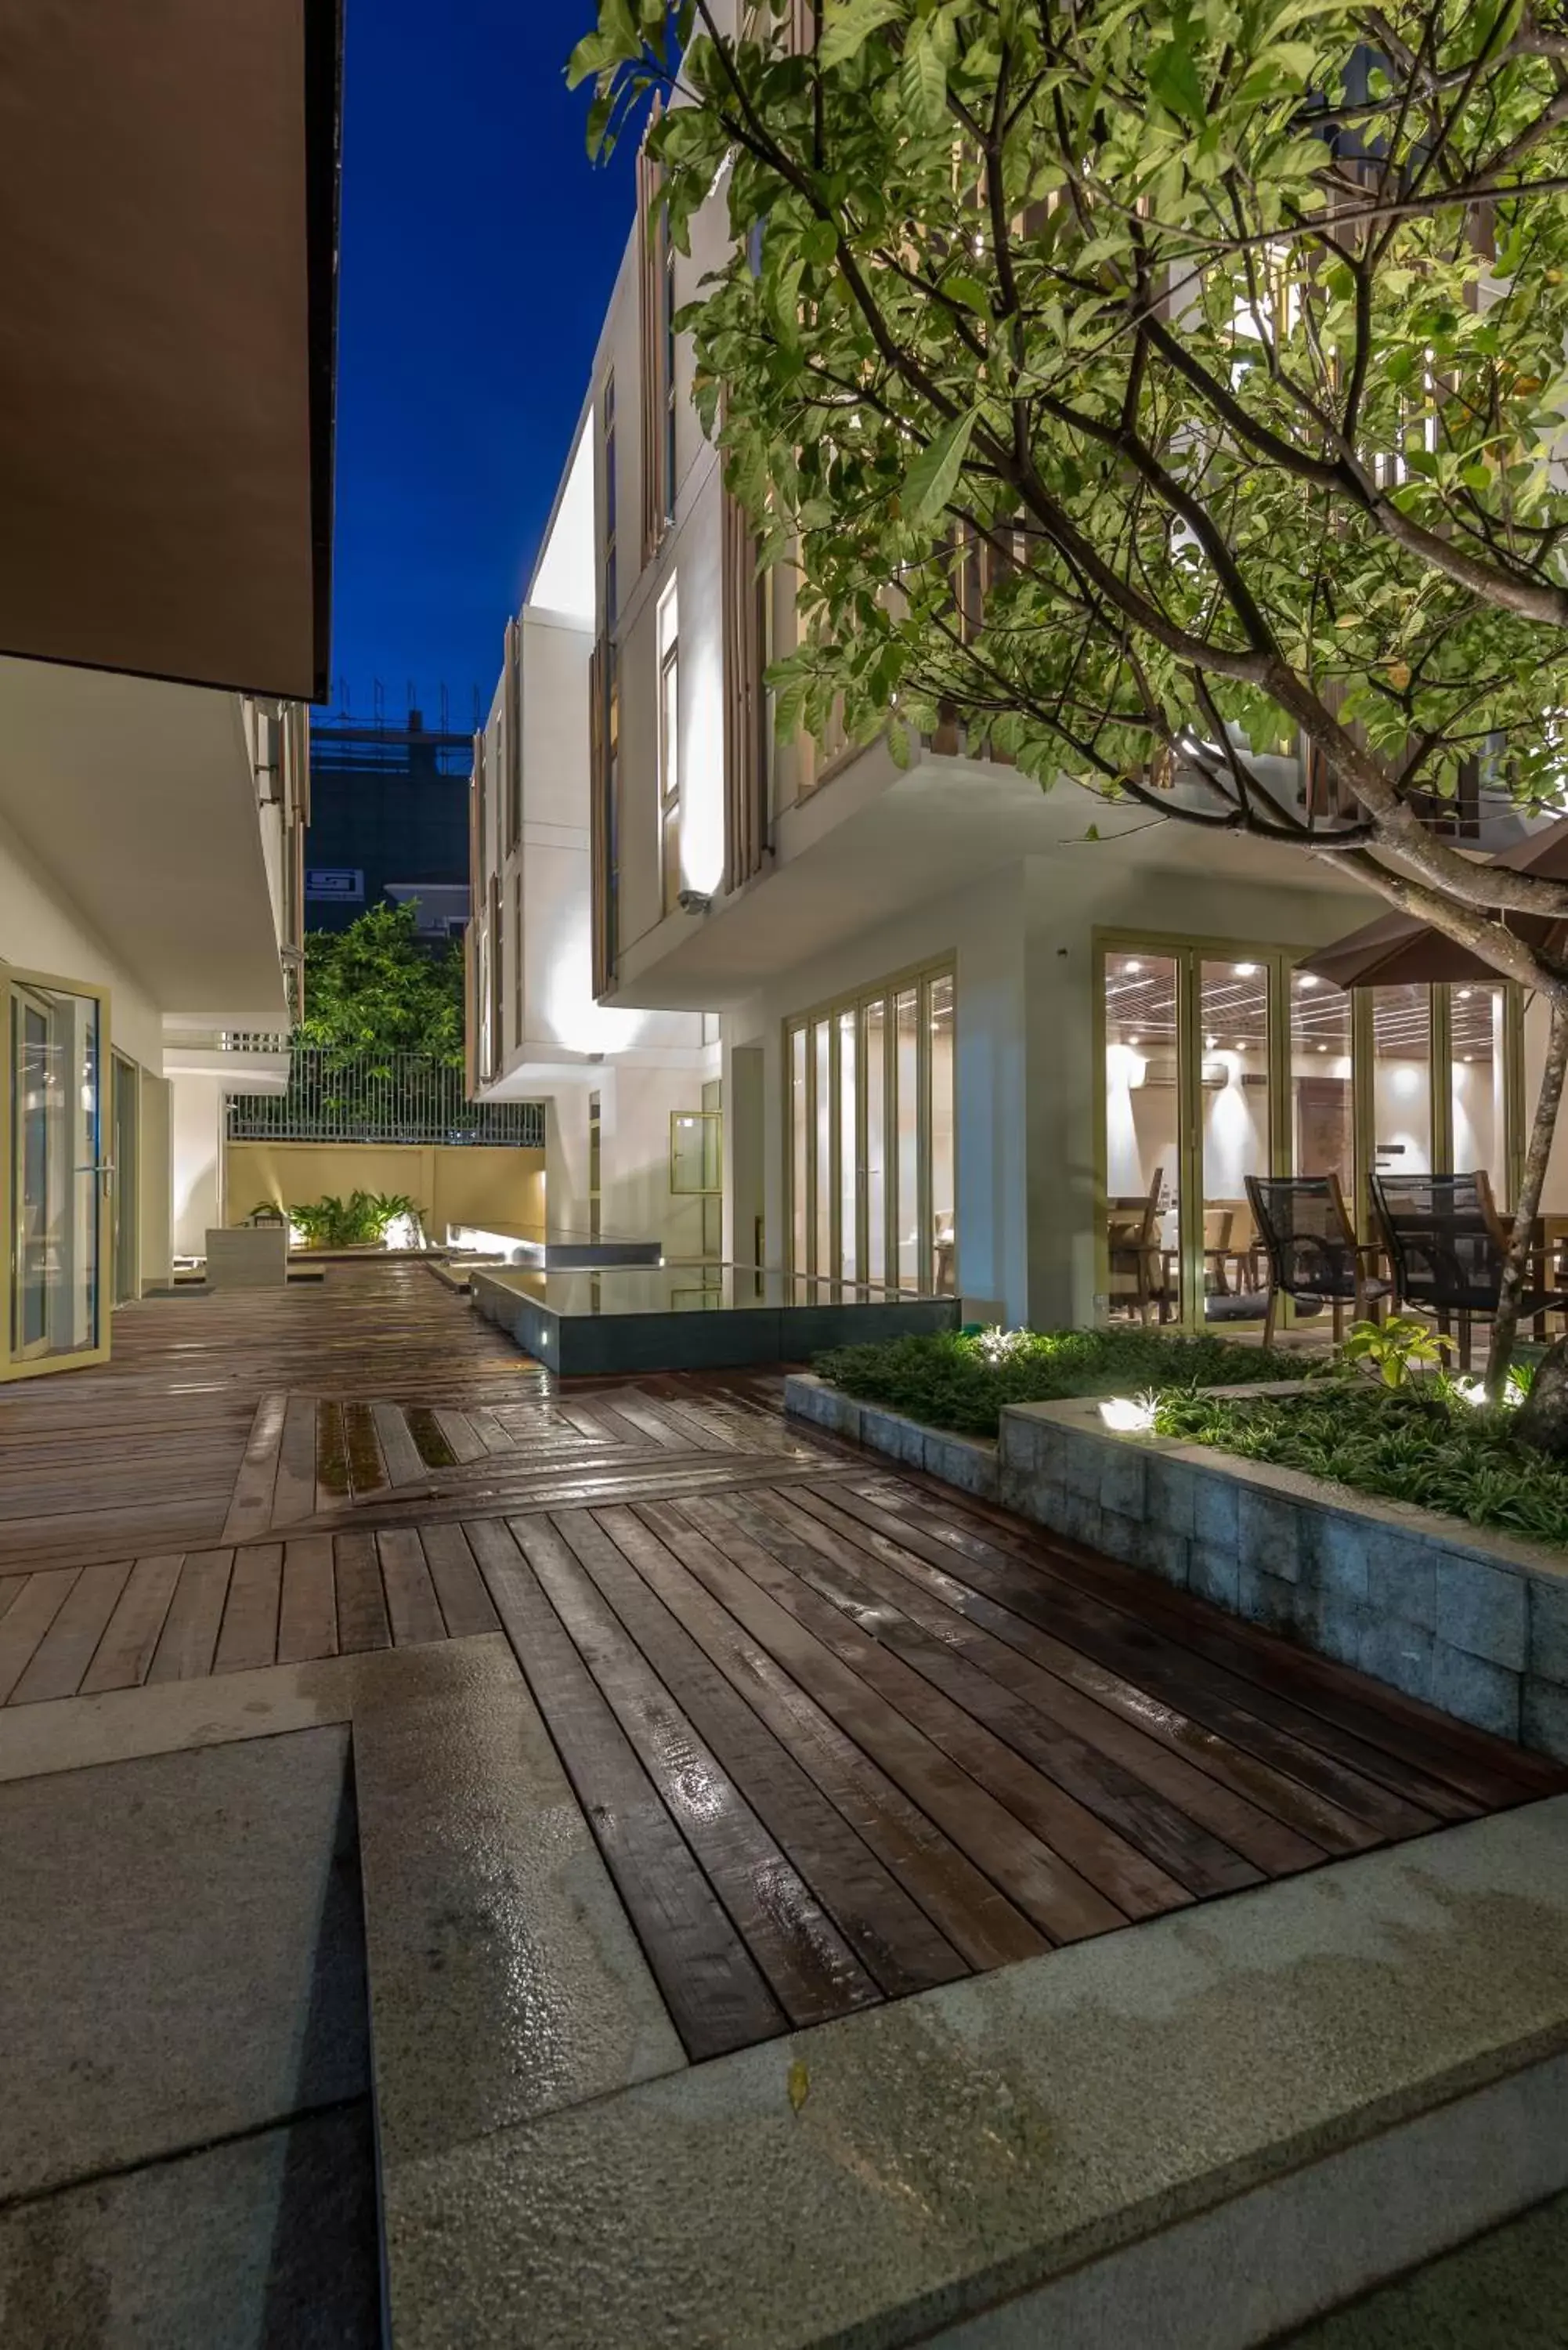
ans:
(841, 1734)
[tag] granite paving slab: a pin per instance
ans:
(505, 1979)
(181, 1955)
(900, 2170)
(267, 2243)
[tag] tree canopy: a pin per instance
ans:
(372, 992)
(1158, 384)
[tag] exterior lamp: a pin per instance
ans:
(1128, 1415)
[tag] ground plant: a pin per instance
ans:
(1423, 1443)
(360, 1221)
(962, 1379)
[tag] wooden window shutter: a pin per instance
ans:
(745, 702)
(650, 370)
(496, 994)
(598, 821)
(512, 733)
(476, 829)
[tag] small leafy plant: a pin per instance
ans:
(1394, 1352)
(358, 1221)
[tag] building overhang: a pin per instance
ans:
(138, 802)
(168, 180)
(876, 839)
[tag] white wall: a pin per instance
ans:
(196, 1130)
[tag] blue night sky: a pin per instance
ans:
(479, 246)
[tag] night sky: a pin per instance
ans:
(478, 248)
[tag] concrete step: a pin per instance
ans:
(1193, 2135)
(505, 1981)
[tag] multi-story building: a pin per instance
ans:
(164, 592)
(961, 1035)
(388, 821)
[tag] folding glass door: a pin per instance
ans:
(59, 1175)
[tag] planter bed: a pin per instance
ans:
(1472, 1620)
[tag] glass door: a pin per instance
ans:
(59, 1175)
(123, 1199)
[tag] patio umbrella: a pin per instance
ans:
(1401, 950)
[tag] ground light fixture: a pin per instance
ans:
(1129, 1415)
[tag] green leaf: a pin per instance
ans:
(849, 24)
(923, 81)
(1173, 77)
(933, 477)
(969, 291)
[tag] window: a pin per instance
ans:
(669, 746)
(596, 1167)
(871, 1157)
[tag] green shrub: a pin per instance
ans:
(962, 1379)
(356, 1221)
(1422, 1444)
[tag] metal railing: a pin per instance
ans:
(404, 1101)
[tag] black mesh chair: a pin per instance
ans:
(1311, 1248)
(1447, 1244)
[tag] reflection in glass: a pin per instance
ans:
(1233, 1020)
(906, 1079)
(797, 1149)
(56, 1154)
(1402, 1080)
(940, 1003)
(1140, 999)
(1322, 1094)
(876, 1140)
(821, 1050)
(1476, 1084)
(847, 1154)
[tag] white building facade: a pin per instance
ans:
(959, 1036)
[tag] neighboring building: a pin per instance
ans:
(166, 483)
(956, 1031)
(388, 820)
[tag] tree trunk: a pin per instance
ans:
(1516, 1263)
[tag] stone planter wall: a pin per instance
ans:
(1474, 1622)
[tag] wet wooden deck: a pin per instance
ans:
(841, 1734)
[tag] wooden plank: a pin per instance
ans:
(248, 1637)
(1020, 1658)
(250, 1511)
(424, 1427)
(711, 1984)
(131, 1637)
(1102, 1855)
(1291, 1742)
(465, 1605)
(11, 1587)
(294, 1491)
(69, 1646)
(308, 1617)
(890, 1935)
(361, 1602)
(1061, 1904)
(460, 1435)
(972, 1912)
(1100, 1781)
(189, 1637)
(411, 1601)
(27, 1623)
(812, 1972)
(402, 1454)
(493, 1436)
(1437, 1745)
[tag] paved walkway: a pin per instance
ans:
(841, 1734)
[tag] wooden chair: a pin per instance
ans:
(1311, 1246)
(1136, 1271)
(1447, 1244)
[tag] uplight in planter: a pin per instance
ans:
(1470, 1390)
(1128, 1415)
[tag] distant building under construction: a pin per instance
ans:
(388, 820)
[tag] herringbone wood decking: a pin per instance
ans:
(841, 1733)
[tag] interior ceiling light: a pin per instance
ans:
(1133, 966)
(1246, 970)
(1306, 979)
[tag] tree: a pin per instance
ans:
(1155, 385)
(373, 992)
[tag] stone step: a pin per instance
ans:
(1193, 2135)
(505, 1981)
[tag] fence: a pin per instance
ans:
(402, 1100)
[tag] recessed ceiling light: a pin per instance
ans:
(1306, 979)
(1133, 966)
(1246, 970)
(1464, 996)
(1132, 1040)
